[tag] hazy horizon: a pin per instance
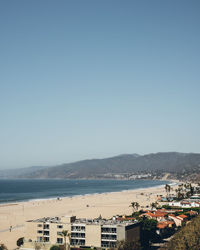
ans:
(93, 79)
(95, 158)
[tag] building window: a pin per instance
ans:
(39, 239)
(39, 225)
(77, 228)
(46, 239)
(59, 240)
(39, 232)
(108, 237)
(46, 232)
(59, 226)
(108, 230)
(46, 226)
(108, 244)
(78, 235)
(77, 242)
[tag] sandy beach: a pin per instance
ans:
(85, 206)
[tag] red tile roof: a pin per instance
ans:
(156, 214)
(183, 216)
(164, 224)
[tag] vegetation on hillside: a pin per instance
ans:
(187, 238)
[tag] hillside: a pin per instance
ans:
(187, 238)
(172, 162)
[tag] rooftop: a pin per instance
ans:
(47, 220)
(102, 222)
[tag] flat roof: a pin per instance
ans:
(47, 219)
(85, 221)
(103, 222)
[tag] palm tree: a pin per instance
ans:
(167, 189)
(135, 205)
(181, 186)
(154, 204)
(180, 195)
(191, 189)
(66, 234)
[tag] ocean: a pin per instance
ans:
(28, 189)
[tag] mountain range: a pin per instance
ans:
(170, 162)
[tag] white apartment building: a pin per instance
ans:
(97, 233)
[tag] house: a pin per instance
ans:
(195, 197)
(165, 227)
(185, 204)
(156, 215)
(192, 213)
(178, 219)
(183, 217)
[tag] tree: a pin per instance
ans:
(167, 189)
(54, 247)
(154, 204)
(191, 189)
(180, 195)
(148, 231)
(3, 247)
(65, 234)
(20, 241)
(135, 205)
(181, 186)
(125, 245)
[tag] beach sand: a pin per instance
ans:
(85, 206)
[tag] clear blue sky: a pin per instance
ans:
(93, 79)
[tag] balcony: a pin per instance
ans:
(108, 231)
(108, 244)
(77, 242)
(77, 236)
(77, 229)
(108, 238)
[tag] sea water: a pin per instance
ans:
(31, 189)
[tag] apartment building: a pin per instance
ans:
(97, 233)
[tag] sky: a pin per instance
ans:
(94, 79)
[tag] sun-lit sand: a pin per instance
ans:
(87, 206)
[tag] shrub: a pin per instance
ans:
(55, 247)
(20, 241)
